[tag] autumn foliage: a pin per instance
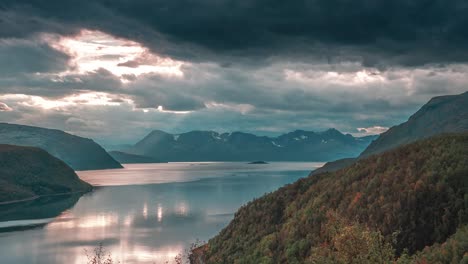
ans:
(407, 204)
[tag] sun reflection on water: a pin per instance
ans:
(160, 213)
(182, 208)
(117, 234)
(145, 210)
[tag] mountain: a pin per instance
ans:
(115, 147)
(415, 195)
(126, 158)
(238, 146)
(79, 153)
(441, 114)
(29, 172)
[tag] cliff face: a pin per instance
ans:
(417, 191)
(79, 153)
(27, 172)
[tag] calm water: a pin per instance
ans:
(145, 213)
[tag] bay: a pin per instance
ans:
(144, 213)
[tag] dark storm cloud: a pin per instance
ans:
(22, 22)
(20, 56)
(376, 33)
(262, 66)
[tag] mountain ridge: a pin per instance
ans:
(30, 172)
(298, 145)
(78, 152)
(441, 114)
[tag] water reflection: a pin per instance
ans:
(160, 213)
(34, 213)
(149, 223)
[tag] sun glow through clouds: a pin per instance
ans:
(92, 50)
(89, 98)
(344, 78)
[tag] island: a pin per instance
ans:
(258, 162)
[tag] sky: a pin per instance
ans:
(113, 70)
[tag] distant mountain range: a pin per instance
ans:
(442, 114)
(238, 146)
(79, 153)
(29, 172)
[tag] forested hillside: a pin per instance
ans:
(380, 207)
(29, 172)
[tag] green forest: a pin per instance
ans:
(30, 172)
(407, 205)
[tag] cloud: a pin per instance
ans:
(93, 50)
(268, 100)
(114, 70)
(265, 101)
(24, 21)
(375, 33)
(4, 107)
(375, 130)
(22, 56)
